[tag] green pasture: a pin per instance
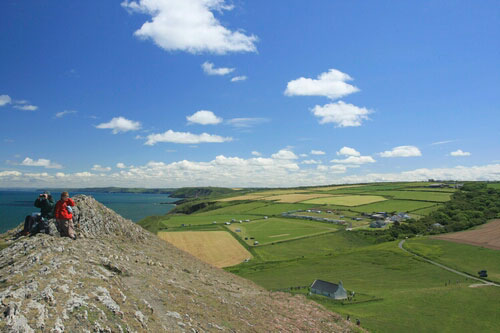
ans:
(235, 208)
(414, 297)
(427, 210)
(494, 185)
(311, 247)
(431, 189)
(178, 220)
(462, 257)
(416, 195)
(270, 230)
(278, 208)
(346, 200)
(392, 206)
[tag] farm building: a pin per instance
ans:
(332, 290)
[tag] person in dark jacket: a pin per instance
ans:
(36, 224)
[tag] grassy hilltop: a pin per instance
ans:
(325, 234)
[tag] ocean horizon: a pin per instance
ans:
(16, 204)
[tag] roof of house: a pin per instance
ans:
(325, 286)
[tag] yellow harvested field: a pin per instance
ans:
(330, 188)
(280, 192)
(295, 197)
(346, 200)
(244, 197)
(217, 248)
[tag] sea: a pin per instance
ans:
(15, 205)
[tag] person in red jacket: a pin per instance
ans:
(64, 216)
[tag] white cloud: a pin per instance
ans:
(285, 154)
(41, 162)
(356, 160)
(338, 168)
(459, 152)
(347, 151)
(303, 155)
(237, 172)
(402, 151)
(185, 137)
(317, 152)
(189, 25)
(340, 113)
(246, 122)
(442, 142)
(256, 153)
(65, 112)
(331, 84)
(311, 162)
(239, 78)
(98, 167)
(120, 165)
(204, 117)
(209, 69)
(26, 107)
(120, 124)
(5, 99)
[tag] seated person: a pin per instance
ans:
(35, 224)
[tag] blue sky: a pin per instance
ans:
(161, 93)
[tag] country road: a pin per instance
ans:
(484, 282)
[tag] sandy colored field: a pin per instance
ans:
(296, 197)
(280, 192)
(244, 197)
(217, 248)
(487, 235)
(347, 200)
(329, 188)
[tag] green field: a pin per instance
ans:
(346, 200)
(413, 295)
(267, 231)
(396, 291)
(494, 185)
(462, 257)
(392, 206)
(416, 195)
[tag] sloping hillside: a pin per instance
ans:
(117, 277)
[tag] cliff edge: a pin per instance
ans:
(118, 277)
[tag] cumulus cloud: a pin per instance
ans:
(402, 151)
(120, 124)
(121, 165)
(41, 162)
(185, 138)
(331, 84)
(285, 154)
(190, 26)
(246, 122)
(239, 78)
(5, 99)
(340, 113)
(26, 107)
(356, 160)
(317, 152)
(311, 162)
(238, 172)
(256, 153)
(209, 69)
(65, 112)
(459, 152)
(98, 167)
(204, 117)
(347, 151)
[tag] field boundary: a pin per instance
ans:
(465, 274)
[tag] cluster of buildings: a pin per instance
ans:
(381, 219)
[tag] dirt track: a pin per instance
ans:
(488, 235)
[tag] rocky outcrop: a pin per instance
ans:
(117, 277)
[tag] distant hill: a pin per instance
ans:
(198, 192)
(115, 190)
